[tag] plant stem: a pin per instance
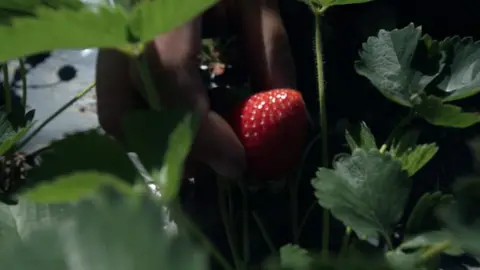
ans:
(346, 240)
(304, 222)
(245, 234)
(226, 222)
(398, 128)
(388, 240)
(264, 233)
(55, 114)
(323, 121)
(150, 92)
(296, 228)
(23, 73)
(434, 251)
(7, 94)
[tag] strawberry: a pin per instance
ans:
(272, 126)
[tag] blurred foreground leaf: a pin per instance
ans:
(74, 24)
(162, 141)
(103, 235)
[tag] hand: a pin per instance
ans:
(173, 61)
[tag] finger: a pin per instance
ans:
(265, 43)
(173, 59)
(116, 93)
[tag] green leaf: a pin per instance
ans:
(84, 152)
(99, 236)
(432, 238)
(162, 141)
(436, 113)
(367, 191)
(413, 159)
(73, 24)
(406, 141)
(330, 3)
(399, 260)
(361, 138)
(422, 218)
(294, 257)
(18, 222)
(8, 136)
(461, 218)
(463, 80)
(388, 62)
(74, 187)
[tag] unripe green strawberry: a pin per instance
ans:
(272, 126)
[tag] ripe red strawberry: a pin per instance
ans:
(272, 126)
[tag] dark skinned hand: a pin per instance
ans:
(173, 62)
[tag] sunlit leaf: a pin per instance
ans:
(74, 187)
(387, 61)
(120, 234)
(437, 113)
(73, 24)
(330, 3)
(367, 191)
(18, 222)
(413, 159)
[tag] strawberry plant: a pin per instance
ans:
(90, 202)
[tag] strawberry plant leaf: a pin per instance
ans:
(432, 238)
(461, 218)
(72, 24)
(330, 3)
(8, 136)
(406, 141)
(422, 218)
(20, 221)
(399, 260)
(103, 155)
(433, 110)
(294, 257)
(367, 191)
(463, 79)
(170, 134)
(80, 242)
(387, 61)
(361, 137)
(74, 187)
(414, 158)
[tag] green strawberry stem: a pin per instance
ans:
(150, 93)
(323, 118)
(223, 197)
(6, 89)
(55, 114)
